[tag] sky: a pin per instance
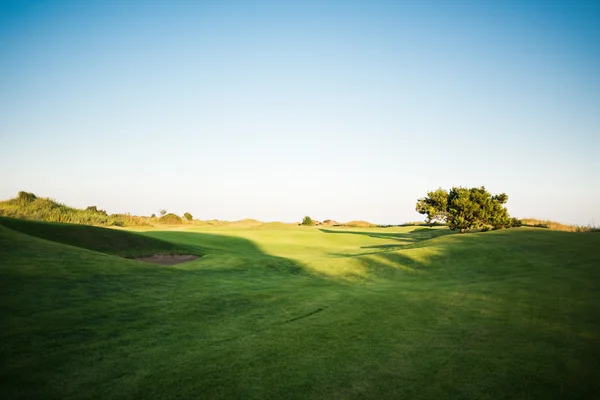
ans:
(344, 110)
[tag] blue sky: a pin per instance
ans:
(279, 109)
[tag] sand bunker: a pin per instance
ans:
(167, 259)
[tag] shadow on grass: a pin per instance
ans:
(403, 240)
(223, 252)
(246, 257)
(96, 322)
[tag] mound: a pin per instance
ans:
(104, 240)
(330, 222)
(171, 219)
(359, 224)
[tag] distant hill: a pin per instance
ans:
(330, 222)
(359, 224)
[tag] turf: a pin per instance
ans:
(104, 240)
(305, 313)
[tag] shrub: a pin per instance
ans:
(94, 209)
(26, 197)
(188, 216)
(307, 221)
(171, 219)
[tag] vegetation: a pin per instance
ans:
(463, 209)
(537, 223)
(162, 212)
(405, 312)
(170, 219)
(188, 216)
(95, 210)
(29, 206)
(307, 221)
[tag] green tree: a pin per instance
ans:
(307, 221)
(188, 216)
(435, 206)
(162, 211)
(464, 208)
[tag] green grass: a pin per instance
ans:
(408, 312)
(103, 240)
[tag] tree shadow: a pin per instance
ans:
(403, 240)
(234, 252)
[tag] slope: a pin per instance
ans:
(306, 313)
(104, 240)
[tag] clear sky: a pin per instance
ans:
(278, 109)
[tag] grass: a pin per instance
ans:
(538, 223)
(29, 206)
(303, 312)
(109, 241)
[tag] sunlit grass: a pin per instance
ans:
(405, 312)
(538, 223)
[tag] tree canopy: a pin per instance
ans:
(463, 208)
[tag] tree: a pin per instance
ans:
(435, 206)
(307, 221)
(463, 209)
(188, 216)
(163, 211)
(153, 216)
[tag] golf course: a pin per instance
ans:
(308, 312)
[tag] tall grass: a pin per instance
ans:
(539, 223)
(29, 206)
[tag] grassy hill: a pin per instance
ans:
(29, 206)
(408, 312)
(104, 240)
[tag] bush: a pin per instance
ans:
(171, 219)
(188, 216)
(94, 209)
(515, 222)
(307, 221)
(26, 197)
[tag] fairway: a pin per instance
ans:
(279, 311)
